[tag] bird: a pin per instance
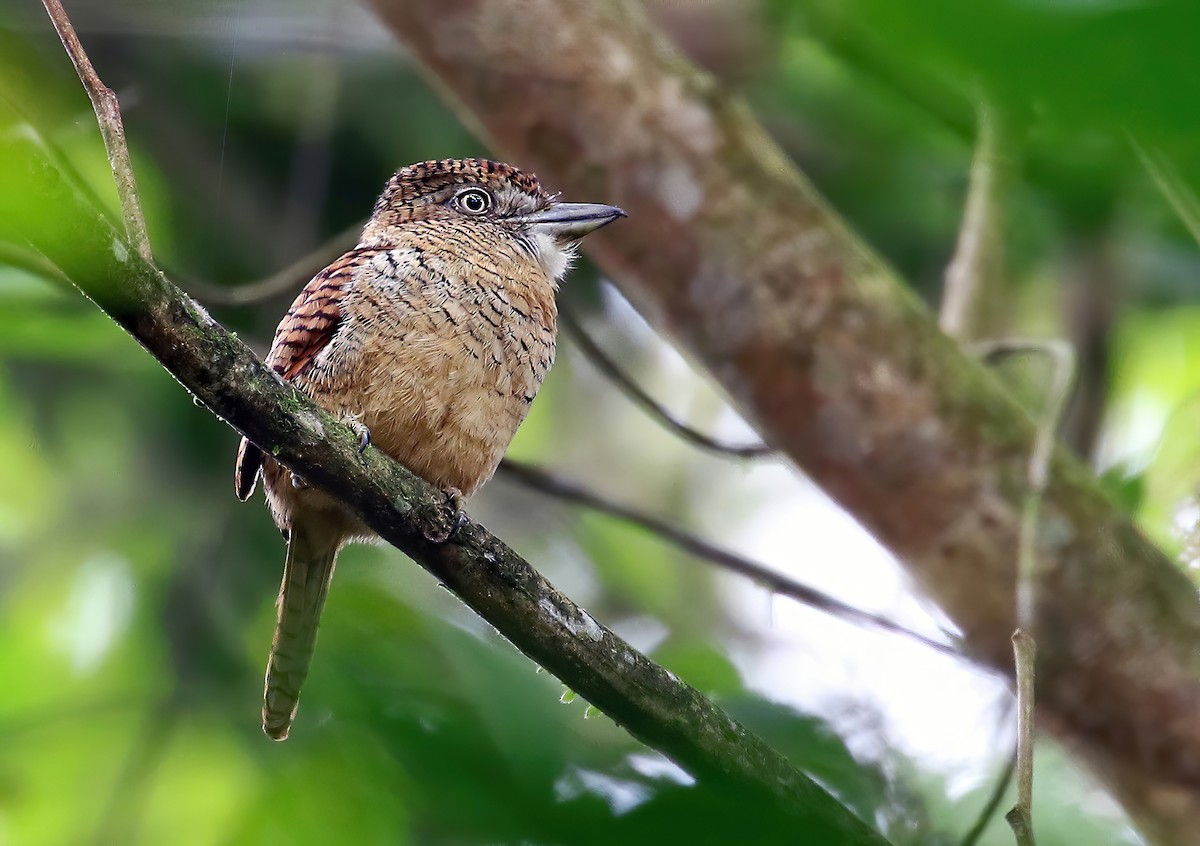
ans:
(430, 338)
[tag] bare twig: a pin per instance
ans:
(1021, 825)
(1062, 359)
(288, 279)
(971, 279)
(1020, 818)
(973, 272)
(112, 128)
(613, 371)
(554, 485)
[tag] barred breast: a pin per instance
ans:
(439, 352)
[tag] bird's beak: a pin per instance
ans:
(571, 221)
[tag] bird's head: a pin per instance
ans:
(489, 199)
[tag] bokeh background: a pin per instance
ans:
(136, 594)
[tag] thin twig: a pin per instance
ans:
(286, 280)
(974, 271)
(1022, 827)
(112, 128)
(1062, 359)
(993, 803)
(970, 280)
(1020, 818)
(556, 486)
(613, 371)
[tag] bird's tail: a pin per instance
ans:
(306, 576)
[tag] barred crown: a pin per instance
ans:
(417, 180)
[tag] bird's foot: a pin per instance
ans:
(298, 481)
(451, 524)
(359, 428)
(457, 504)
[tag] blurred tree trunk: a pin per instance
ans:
(731, 252)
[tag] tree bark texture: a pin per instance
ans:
(731, 252)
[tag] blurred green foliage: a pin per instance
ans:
(136, 594)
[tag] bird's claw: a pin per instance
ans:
(458, 517)
(298, 481)
(364, 434)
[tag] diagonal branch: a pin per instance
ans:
(112, 128)
(550, 484)
(642, 399)
(287, 280)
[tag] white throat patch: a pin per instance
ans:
(555, 259)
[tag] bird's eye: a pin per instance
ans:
(474, 201)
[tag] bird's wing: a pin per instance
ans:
(313, 319)
(304, 332)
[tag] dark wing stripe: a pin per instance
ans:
(308, 327)
(313, 319)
